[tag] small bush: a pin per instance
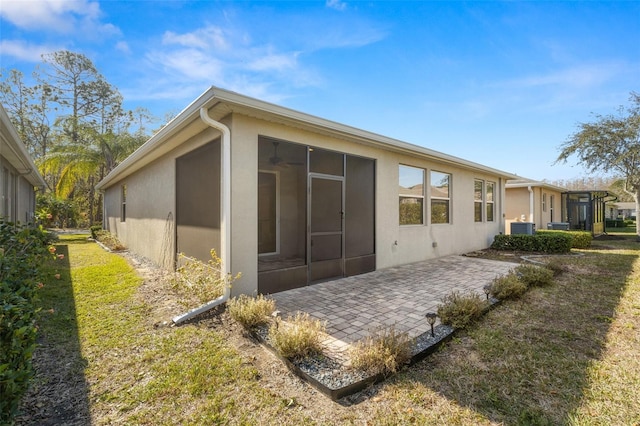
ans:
(460, 310)
(534, 276)
(298, 337)
(385, 351)
(109, 240)
(556, 266)
(196, 282)
(508, 286)
(22, 253)
(579, 239)
(251, 311)
(547, 242)
(94, 231)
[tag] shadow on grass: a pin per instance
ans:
(59, 392)
(527, 362)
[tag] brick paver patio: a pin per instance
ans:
(401, 296)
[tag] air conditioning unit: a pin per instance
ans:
(528, 228)
(558, 226)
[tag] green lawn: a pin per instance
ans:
(564, 354)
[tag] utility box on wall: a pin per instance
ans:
(528, 228)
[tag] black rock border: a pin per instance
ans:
(322, 371)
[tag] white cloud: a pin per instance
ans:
(336, 4)
(578, 76)
(123, 47)
(203, 38)
(61, 16)
(24, 51)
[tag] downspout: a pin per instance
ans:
(530, 204)
(225, 216)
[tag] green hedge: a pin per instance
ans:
(22, 251)
(579, 239)
(550, 242)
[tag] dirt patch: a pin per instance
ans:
(60, 394)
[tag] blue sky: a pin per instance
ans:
(499, 83)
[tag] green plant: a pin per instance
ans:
(556, 266)
(196, 282)
(298, 336)
(22, 252)
(460, 310)
(534, 276)
(579, 239)
(547, 242)
(508, 286)
(94, 231)
(384, 351)
(109, 240)
(251, 311)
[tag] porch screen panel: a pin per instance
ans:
(198, 201)
(360, 207)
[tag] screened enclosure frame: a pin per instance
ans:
(326, 223)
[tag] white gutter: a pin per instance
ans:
(530, 203)
(225, 216)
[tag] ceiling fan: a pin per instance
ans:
(276, 160)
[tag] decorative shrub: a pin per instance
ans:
(534, 276)
(460, 310)
(196, 282)
(94, 231)
(508, 286)
(109, 240)
(546, 242)
(297, 337)
(251, 311)
(385, 351)
(22, 251)
(556, 266)
(579, 239)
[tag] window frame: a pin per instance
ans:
(407, 196)
(123, 202)
(439, 200)
(490, 201)
(480, 201)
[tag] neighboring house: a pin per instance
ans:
(532, 202)
(621, 210)
(19, 177)
(585, 210)
(289, 199)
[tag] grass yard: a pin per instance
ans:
(564, 354)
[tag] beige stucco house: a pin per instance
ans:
(532, 202)
(289, 199)
(19, 177)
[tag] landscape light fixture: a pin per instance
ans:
(487, 290)
(431, 319)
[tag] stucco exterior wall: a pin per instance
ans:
(518, 204)
(17, 195)
(149, 228)
(395, 244)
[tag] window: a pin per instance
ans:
(490, 200)
(411, 194)
(123, 216)
(551, 202)
(544, 201)
(478, 192)
(440, 197)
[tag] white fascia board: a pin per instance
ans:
(284, 115)
(523, 183)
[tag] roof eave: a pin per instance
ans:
(214, 95)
